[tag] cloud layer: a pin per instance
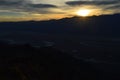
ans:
(23, 5)
(52, 9)
(77, 3)
(103, 4)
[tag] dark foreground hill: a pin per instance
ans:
(24, 62)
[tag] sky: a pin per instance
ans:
(25, 10)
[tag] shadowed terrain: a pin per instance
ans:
(67, 49)
(24, 62)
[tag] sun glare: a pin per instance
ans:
(83, 12)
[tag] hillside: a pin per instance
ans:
(67, 49)
(105, 25)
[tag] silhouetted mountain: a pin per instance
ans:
(105, 25)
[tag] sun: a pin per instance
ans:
(83, 12)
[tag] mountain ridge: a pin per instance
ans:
(105, 25)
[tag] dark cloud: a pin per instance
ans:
(77, 3)
(42, 6)
(24, 4)
(113, 7)
(10, 3)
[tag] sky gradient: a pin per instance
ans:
(24, 10)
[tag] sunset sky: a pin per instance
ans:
(23, 10)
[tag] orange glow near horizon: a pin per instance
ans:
(83, 12)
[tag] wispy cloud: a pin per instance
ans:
(49, 8)
(91, 2)
(106, 4)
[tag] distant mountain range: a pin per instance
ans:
(105, 25)
(67, 33)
